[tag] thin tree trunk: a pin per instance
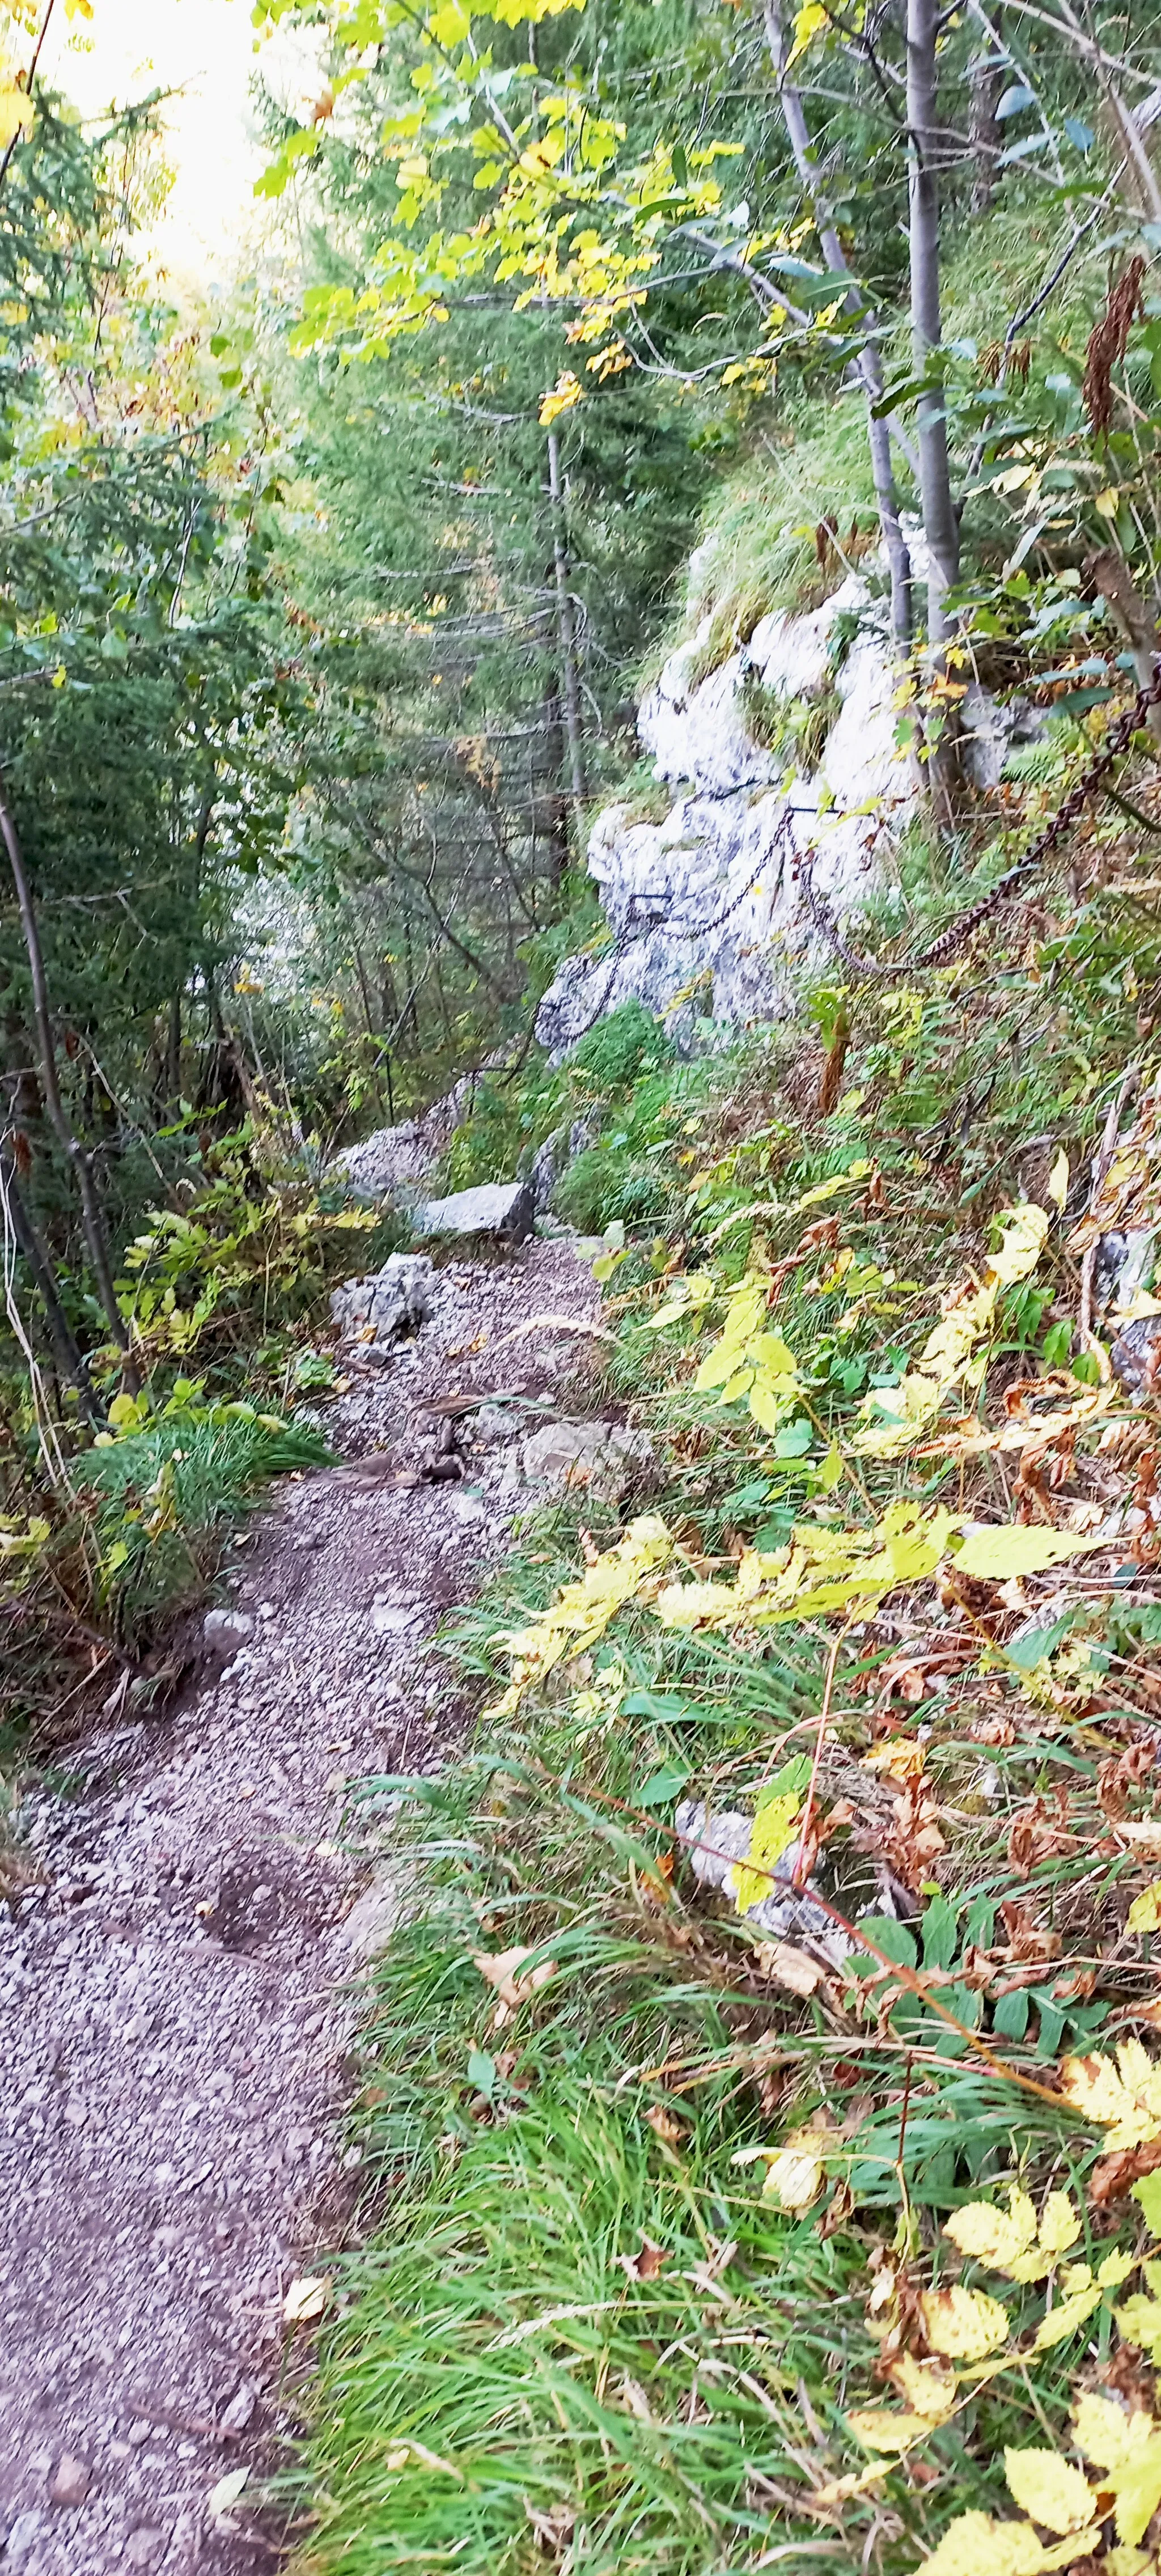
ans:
(368, 1014)
(984, 84)
(173, 1051)
(67, 1350)
(870, 363)
(940, 524)
(566, 632)
(91, 1214)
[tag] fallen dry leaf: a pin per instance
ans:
(227, 2492)
(664, 2125)
(646, 2263)
(305, 2300)
(786, 1966)
(499, 1970)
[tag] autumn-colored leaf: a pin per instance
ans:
(963, 2324)
(1145, 1911)
(665, 2126)
(500, 1969)
(794, 2176)
(1012, 2242)
(976, 2545)
(788, 1967)
(997, 1555)
(227, 2492)
(1128, 2448)
(1049, 2490)
(1124, 2096)
(882, 2428)
(646, 2263)
(305, 2300)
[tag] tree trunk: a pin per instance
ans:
(985, 82)
(566, 633)
(92, 1218)
(1110, 575)
(66, 1349)
(173, 1052)
(940, 524)
(556, 801)
(870, 363)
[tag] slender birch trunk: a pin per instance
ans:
(870, 362)
(566, 632)
(940, 524)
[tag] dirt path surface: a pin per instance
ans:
(172, 2013)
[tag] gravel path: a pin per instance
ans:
(172, 2013)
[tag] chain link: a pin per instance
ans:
(1088, 784)
(874, 969)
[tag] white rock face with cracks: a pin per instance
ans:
(712, 892)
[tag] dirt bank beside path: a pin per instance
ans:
(172, 2021)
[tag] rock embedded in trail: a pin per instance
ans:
(377, 1311)
(71, 2482)
(596, 1458)
(225, 1631)
(503, 1210)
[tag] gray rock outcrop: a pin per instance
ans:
(706, 907)
(595, 1458)
(503, 1210)
(715, 1843)
(396, 1300)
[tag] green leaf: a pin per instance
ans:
(482, 2073)
(997, 1555)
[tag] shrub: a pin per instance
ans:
(161, 1495)
(620, 1048)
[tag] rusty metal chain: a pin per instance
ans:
(874, 969)
(630, 938)
(1093, 778)
(1046, 840)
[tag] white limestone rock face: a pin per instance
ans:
(708, 902)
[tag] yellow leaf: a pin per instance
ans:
(879, 2429)
(1063, 2320)
(931, 2392)
(772, 1832)
(1125, 2097)
(766, 1404)
(566, 392)
(1140, 2322)
(304, 2301)
(1129, 2448)
(1107, 502)
(690, 1605)
(1058, 1181)
(1021, 1246)
(989, 2235)
(964, 2324)
(17, 115)
(795, 2175)
(1145, 1911)
(894, 1421)
(974, 2545)
(1049, 2490)
(1059, 2223)
(996, 1555)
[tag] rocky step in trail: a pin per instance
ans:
(175, 1998)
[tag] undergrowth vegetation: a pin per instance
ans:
(759, 2102)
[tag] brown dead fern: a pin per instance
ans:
(1108, 341)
